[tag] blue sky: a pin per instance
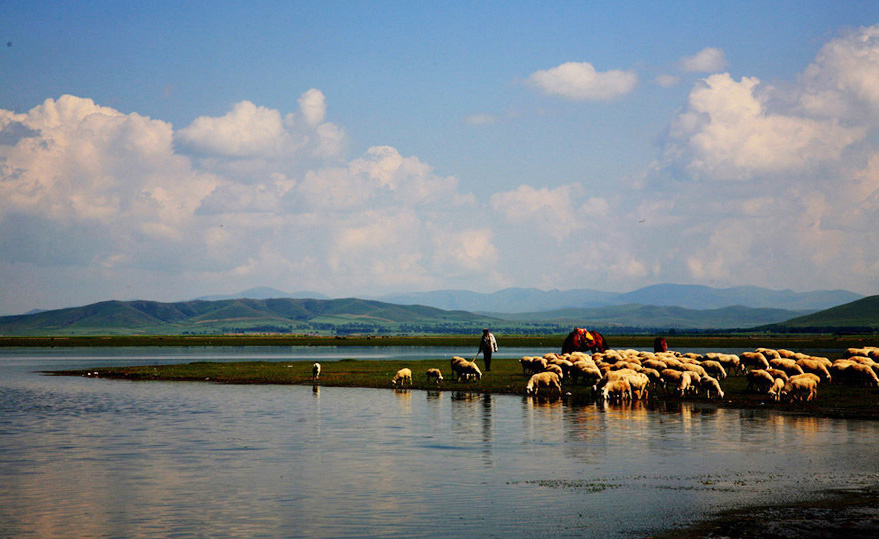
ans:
(177, 149)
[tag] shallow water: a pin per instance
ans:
(99, 458)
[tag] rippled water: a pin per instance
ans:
(98, 458)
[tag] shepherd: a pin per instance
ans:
(581, 340)
(488, 346)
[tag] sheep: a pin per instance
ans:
(525, 362)
(710, 384)
(461, 368)
(777, 387)
(768, 353)
(684, 383)
(799, 387)
(657, 364)
(315, 372)
(714, 368)
(759, 380)
(754, 360)
(787, 365)
(436, 374)
(556, 369)
(470, 371)
(587, 372)
(618, 390)
(403, 376)
(815, 367)
(858, 374)
(698, 369)
(549, 380)
(671, 378)
(778, 373)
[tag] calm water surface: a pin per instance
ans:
(86, 457)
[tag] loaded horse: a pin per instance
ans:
(581, 340)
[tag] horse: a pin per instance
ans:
(581, 340)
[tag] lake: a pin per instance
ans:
(88, 457)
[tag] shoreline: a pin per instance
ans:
(551, 342)
(506, 377)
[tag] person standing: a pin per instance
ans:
(488, 346)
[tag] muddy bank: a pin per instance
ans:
(849, 514)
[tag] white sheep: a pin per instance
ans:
(403, 377)
(617, 390)
(549, 380)
(436, 374)
(709, 385)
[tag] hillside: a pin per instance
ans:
(241, 315)
(860, 315)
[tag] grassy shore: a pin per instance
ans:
(505, 377)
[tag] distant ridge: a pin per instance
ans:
(520, 300)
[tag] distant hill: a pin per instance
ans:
(704, 297)
(509, 300)
(656, 317)
(526, 300)
(860, 315)
(240, 315)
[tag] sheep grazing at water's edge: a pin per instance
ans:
(315, 372)
(465, 370)
(434, 374)
(549, 380)
(403, 378)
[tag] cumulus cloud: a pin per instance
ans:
(708, 60)
(581, 81)
(728, 133)
(252, 194)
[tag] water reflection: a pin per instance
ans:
(119, 459)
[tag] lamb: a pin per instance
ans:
(436, 374)
(315, 372)
(549, 380)
(403, 377)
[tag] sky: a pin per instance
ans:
(170, 150)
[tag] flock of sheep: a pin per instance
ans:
(626, 375)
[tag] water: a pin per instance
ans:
(99, 458)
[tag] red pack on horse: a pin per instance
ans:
(581, 340)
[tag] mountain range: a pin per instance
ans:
(370, 316)
(526, 300)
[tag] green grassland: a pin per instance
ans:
(505, 377)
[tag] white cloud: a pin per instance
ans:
(554, 211)
(727, 133)
(708, 60)
(581, 81)
(313, 106)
